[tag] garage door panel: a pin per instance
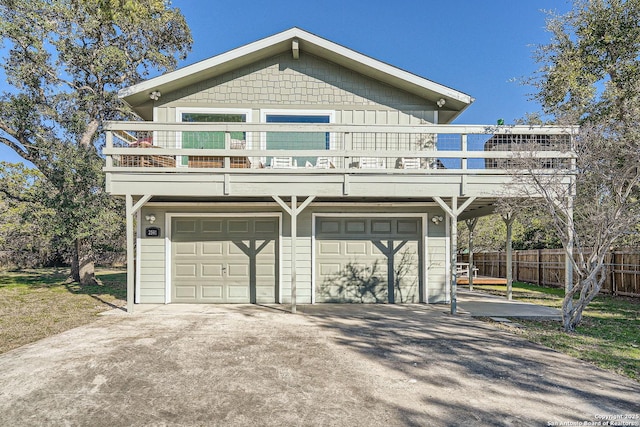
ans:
(238, 271)
(239, 247)
(212, 226)
(265, 294)
(239, 226)
(212, 248)
(212, 292)
(186, 270)
(238, 292)
(266, 270)
(355, 266)
(267, 247)
(380, 226)
(214, 262)
(211, 271)
(356, 248)
(329, 248)
(266, 226)
(186, 248)
(186, 291)
(328, 268)
(408, 227)
(355, 226)
(183, 226)
(406, 286)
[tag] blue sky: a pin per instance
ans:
(479, 47)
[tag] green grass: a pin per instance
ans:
(35, 304)
(609, 335)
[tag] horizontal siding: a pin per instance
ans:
(150, 263)
(152, 280)
(437, 269)
(154, 246)
(154, 300)
(303, 263)
(152, 271)
(152, 293)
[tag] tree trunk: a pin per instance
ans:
(82, 264)
(587, 289)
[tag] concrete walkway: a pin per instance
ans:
(480, 304)
(330, 365)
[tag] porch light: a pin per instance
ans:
(151, 218)
(155, 95)
(437, 219)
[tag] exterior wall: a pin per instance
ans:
(152, 251)
(280, 82)
(306, 83)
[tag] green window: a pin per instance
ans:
(209, 140)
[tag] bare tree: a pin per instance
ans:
(590, 76)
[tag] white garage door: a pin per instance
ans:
(368, 260)
(224, 260)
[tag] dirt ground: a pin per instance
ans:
(329, 365)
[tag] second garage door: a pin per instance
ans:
(368, 260)
(224, 260)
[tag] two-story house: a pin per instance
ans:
(296, 170)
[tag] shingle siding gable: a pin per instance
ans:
(283, 81)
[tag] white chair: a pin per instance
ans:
(370, 163)
(321, 163)
(281, 162)
(410, 163)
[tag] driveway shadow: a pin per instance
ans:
(469, 372)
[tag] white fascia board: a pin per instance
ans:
(385, 68)
(205, 64)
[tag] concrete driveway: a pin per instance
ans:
(341, 365)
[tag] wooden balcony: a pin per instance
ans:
(327, 160)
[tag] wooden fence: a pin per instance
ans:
(546, 267)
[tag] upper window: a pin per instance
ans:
(298, 140)
(211, 140)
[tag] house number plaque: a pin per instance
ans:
(152, 232)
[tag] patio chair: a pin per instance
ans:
(281, 162)
(321, 163)
(370, 163)
(410, 163)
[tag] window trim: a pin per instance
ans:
(210, 110)
(295, 112)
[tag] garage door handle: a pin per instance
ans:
(224, 269)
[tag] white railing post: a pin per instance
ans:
(227, 146)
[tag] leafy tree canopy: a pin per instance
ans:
(65, 61)
(590, 75)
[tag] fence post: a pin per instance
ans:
(539, 266)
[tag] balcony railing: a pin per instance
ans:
(329, 148)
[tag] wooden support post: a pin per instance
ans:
(130, 252)
(454, 256)
(471, 225)
(130, 210)
(294, 238)
(508, 220)
(293, 211)
(226, 162)
(510, 260)
(453, 213)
